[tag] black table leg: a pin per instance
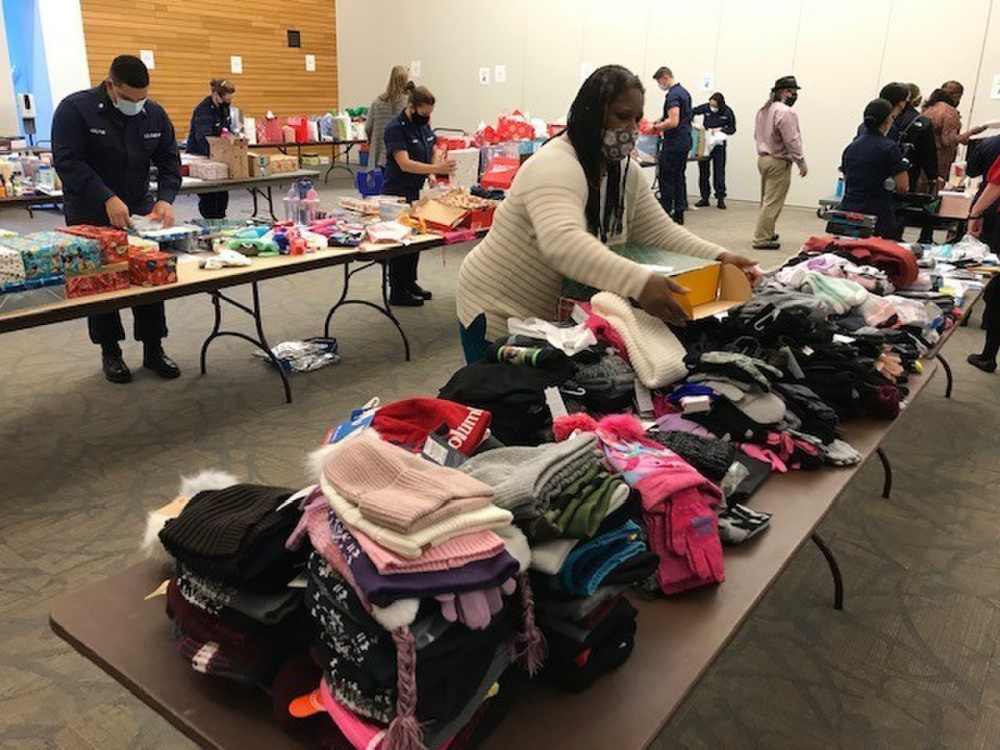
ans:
(887, 468)
(260, 342)
(838, 580)
(385, 309)
(253, 193)
(270, 204)
(965, 318)
(333, 161)
(949, 380)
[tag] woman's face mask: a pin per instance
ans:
(713, 106)
(617, 145)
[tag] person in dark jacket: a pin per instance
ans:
(210, 118)
(675, 127)
(873, 170)
(104, 141)
(717, 115)
(410, 159)
(916, 136)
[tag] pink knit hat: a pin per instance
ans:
(397, 489)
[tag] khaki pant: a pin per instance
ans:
(775, 179)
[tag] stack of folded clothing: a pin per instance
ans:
(412, 587)
(679, 505)
(235, 615)
(575, 513)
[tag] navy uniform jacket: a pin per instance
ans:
(207, 119)
(402, 135)
(724, 119)
(99, 152)
(678, 139)
(867, 163)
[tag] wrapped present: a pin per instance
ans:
(153, 269)
(110, 278)
(113, 242)
(11, 265)
(208, 170)
(17, 295)
(77, 254)
(41, 260)
(140, 245)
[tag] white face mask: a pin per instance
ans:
(713, 108)
(664, 87)
(130, 109)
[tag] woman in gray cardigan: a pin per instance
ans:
(387, 105)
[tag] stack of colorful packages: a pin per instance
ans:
(413, 584)
(586, 550)
(234, 613)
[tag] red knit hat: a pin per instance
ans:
(407, 423)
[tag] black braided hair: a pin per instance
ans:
(585, 128)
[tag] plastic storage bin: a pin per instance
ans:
(369, 183)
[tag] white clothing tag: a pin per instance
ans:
(643, 399)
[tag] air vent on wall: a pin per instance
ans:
(294, 38)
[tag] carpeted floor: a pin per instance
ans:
(910, 663)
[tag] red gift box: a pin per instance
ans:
(111, 278)
(113, 242)
(481, 218)
(515, 129)
(153, 269)
(500, 173)
(487, 137)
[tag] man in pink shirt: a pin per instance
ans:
(779, 143)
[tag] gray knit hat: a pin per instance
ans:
(526, 479)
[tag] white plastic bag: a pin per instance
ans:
(969, 248)
(714, 138)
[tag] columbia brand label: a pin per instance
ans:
(458, 436)
(98, 131)
(151, 135)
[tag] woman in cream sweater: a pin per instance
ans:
(579, 194)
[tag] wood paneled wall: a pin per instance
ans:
(192, 41)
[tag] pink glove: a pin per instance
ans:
(766, 455)
(475, 609)
(694, 533)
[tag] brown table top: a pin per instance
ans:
(348, 142)
(193, 280)
(678, 638)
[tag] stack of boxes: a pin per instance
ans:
(77, 261)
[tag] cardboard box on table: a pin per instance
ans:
(266, 165)
(466, 172)
(437, 215)
(713, 287)
(231, 151)
(109, 278)
(112, 242)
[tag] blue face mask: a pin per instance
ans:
(130, 109)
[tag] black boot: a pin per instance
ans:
(982, 363)
(418, 291)
(405, 299)
(703, 203)
(679, 217)
(115, 369)
(154, 358)
(722, 203)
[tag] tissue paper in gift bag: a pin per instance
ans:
(153, 269)
(112, 242)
